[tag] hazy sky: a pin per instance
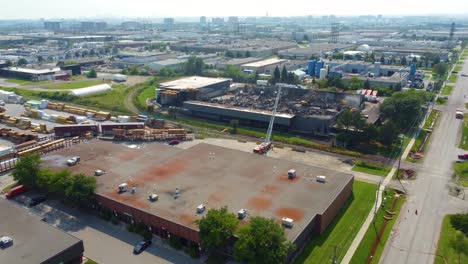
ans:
(194, 8)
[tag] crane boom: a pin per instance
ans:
(272, 119)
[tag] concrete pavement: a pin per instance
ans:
(415, 236)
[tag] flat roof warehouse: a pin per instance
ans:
(210, 175)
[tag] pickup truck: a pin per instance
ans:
(73, 161)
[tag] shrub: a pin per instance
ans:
(114, 220)
(192, 251)
(175, 242)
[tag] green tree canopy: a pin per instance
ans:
(355, 83)
(217, 228)
(261, 241)
(460, 222)
(92, 74)
(388, 133)
(22, 62)
(276, 75)
(460, 245)
(440, 69)
(403, 108)
(194, 66)
(27, 170)
(284, 75)
(81, 189)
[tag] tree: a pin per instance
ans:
(460, 222)
(234, 124)
(460, 245)
(247, 54)
(40, 58)
(403, 108)
(238, 54)
(92, 74)
(27, 170)
(81, 190)
(276, 75)
(355, 83)
(284, 75)
(388, 133)
(403, 61)
(77, 54)
(292, 78)
(9, 63)
(440, 69)
(414, 60)
(229, 54)
(367, 84)
(22, 62)
(84, 53)
(382, 59)
(261, 241)
(60, 63)
(216, 229)
(194, 66)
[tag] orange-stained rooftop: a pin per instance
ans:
(205, 174)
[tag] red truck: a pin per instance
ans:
(463, 156)
(15, 191)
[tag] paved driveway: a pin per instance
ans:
(105, 242)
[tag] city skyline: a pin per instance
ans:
(50, 9)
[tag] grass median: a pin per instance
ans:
(379, 231)
(464, 139)
(461, 170)
(371, 168)
(447, 90)
(452, 78)
(341, 232)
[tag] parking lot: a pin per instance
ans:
(103, 241)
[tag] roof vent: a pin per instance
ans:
(133, 190)
(177, 193)
(292, 174)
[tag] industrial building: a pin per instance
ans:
(212, 176)
(317, 49)
(268, 66)
(191, 88)
(30, 74)
(35, 241)
(300, 110)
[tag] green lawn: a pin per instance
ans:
(441, 101)
(447, 90)
(458, 68)
(445, 253)
(461, 169)
(24, 82)
(343, 228)
(74, 85)
(370, 168)
(362, 252)
(89, 261)
(260, 133)
(464, 140)
(146, 92)
(460, 62)
(433, 117)
(110, 100)
(452, 78)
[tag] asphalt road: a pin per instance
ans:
(415, 236)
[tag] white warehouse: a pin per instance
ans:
(91, 90)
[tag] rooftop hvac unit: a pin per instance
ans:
(291, 174)
(123, 187)
(201, 208)
(177, 193)
(287, 222)
(321, 179)
(242, 214)
(133, 190)
(153, 197)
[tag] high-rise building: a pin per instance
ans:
(233, 20)
(217, 21)
(49, 25)
(203, 20)
(168, 22)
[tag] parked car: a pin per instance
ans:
(73, 161)
(15, 191)
(174, 142)
(37, 200)
(2, 103)
(140, 246)
(5, 241)
(464, 75)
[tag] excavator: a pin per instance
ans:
(266, 145)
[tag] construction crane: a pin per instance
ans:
(265, 146)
